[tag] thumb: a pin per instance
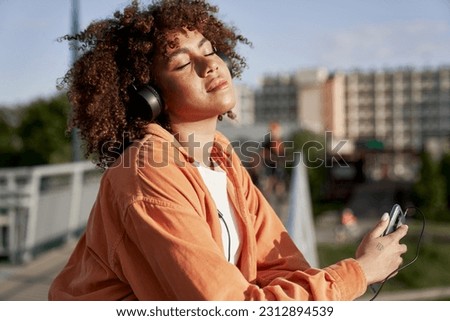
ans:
(381, 226)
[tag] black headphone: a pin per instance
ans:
(147, 103)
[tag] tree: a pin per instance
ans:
(430, 190)
(313, 148)
(8, 140)
(42, 132)
(445, 172)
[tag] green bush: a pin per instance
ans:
(429, 270)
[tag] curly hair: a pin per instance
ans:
(117, 55)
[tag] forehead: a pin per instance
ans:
(178, 42)
(178, 38)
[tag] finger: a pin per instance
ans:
(381, 226)
(401, 231)
(403, 248)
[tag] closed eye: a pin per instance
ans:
(183, 66)
(188, 63)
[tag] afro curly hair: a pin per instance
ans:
(116, 57)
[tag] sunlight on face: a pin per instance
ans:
(195, 82)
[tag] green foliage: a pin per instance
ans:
(445, 172)
(430, 191)
(313, 147)
(39, 136)
(8, 145)
(430, 268)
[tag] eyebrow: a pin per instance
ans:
(186, 50)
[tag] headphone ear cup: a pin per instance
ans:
(147, 102)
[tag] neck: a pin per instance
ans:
(197, 138)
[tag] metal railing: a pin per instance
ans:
(44, 205)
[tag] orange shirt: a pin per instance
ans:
(154, 234)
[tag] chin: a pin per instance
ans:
(229, 103)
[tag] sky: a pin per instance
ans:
(287, 35)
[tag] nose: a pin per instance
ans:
(207, 65)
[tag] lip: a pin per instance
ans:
(217, 84)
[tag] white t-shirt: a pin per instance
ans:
(216, 181)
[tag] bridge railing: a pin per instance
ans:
(43, 205)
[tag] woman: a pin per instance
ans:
(177, 217)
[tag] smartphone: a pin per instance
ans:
(396, 218)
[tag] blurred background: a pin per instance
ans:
(362, 89)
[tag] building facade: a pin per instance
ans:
(276, 99)
(403, 110)
(406, 109)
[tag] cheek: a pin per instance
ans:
(179, 92)
(171, 91)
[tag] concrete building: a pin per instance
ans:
(245, 105)
(296, 100)
(311, 85)
(405, 110)
(277, 99)
(334, 105)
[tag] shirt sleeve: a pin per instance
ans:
(166, 234)
(282, 269)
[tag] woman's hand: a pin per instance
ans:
(380, 255)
